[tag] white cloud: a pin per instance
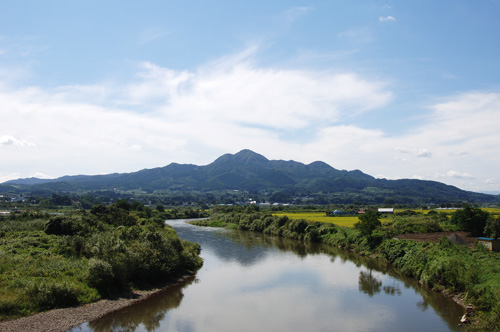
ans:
(7, 140)
(163, 115)
(424, 153)
(42, 175)
(417, 152)
(455, 174)
(135, 147)
(387, 19)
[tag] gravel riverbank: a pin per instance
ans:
(61, 320)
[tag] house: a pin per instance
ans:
(386, 210)
(490, 243)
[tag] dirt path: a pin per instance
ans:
(61, 320)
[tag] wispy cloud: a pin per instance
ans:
(421, 152)
(151, 34)
(294, 13)
(387, 19)
(358, 36)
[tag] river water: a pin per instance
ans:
(253, 282)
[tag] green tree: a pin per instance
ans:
(123, 204)
(471, 219)
(368, 222)
(493, 227)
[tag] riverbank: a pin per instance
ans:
(62, 320)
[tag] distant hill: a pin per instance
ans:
(250, 171)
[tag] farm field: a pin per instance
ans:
(347, 221)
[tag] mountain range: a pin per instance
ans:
(250, 171)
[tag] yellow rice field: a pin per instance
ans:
(349, 221)
(321, 217)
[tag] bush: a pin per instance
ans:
(298, 226)
(492, 227)
(100, 275)
(312, 234)
(49, 294)
(59, 226)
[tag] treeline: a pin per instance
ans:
(64, 260)
(443, 266)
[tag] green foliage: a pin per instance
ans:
(492, 228)
(61, 226)
(471, 219)
(413, 224)
(70, 260)
(248, 219)
(48, 294)
(368, 222)
(100, 275)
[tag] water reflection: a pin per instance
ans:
(250, 281)
(145, 315)
(392, 290)
(368, 283)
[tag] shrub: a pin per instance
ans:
(298, 226)
(100, 275)
(49, 294)
(312, 234)
(492, 227)
(59, 226)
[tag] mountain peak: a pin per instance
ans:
(249, 156)
(244, 156)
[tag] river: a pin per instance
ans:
(253, 282)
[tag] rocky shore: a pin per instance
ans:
(61, 320)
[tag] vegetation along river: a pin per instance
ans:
(253, 282)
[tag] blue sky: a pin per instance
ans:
(396, 89)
